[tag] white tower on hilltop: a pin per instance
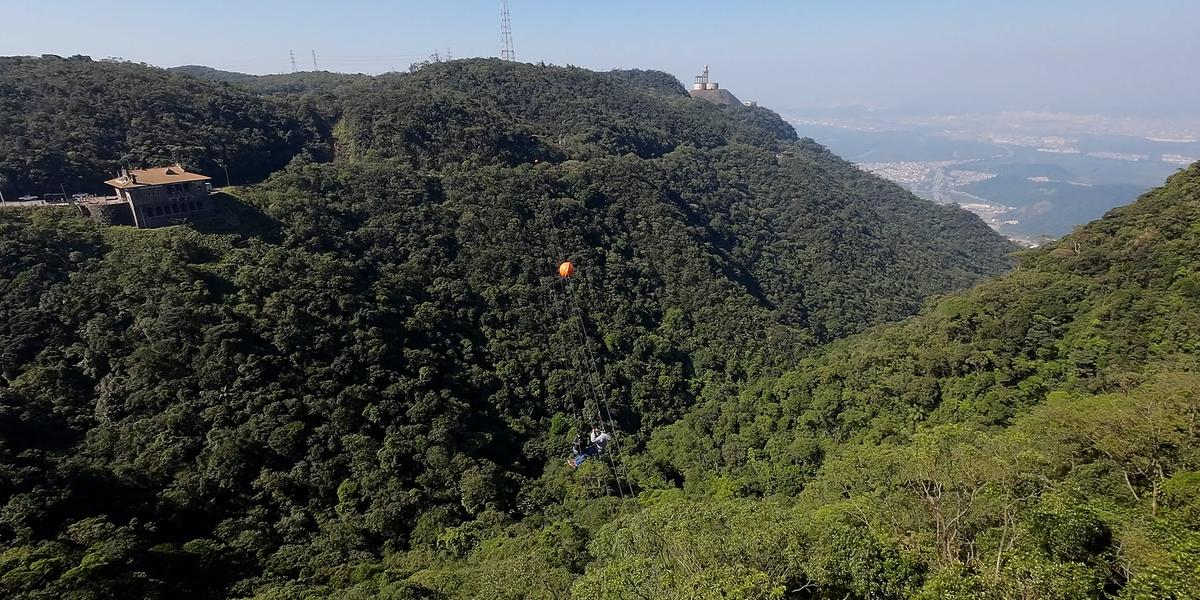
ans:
(708, 90)
(702, 83)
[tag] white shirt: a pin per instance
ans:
(600, 440)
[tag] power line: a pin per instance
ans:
(368, 62)
(506, 43)
(357, 56)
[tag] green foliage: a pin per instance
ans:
(75, 122)
(369, 391)
(281, 85)
(1034, 437)
(382, 359)
(1085, 315)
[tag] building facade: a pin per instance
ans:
(163, 196)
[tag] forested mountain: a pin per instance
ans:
(1035, 437)
(73, 123)
(280, 84)
(364, 378)
(211, 74)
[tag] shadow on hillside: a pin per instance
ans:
(230, 215)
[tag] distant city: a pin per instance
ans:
(1032, 176)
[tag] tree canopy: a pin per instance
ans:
(72, 123)
(362, 376)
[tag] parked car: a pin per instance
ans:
(27, 198)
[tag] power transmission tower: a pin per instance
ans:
(314, 53)
(293, 57)
(448, 57)
(506, 50)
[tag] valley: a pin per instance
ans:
(1031, 176)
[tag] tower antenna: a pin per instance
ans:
(506, 48)
(314, 53)
(292, 55)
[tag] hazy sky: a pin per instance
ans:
(1117, 57)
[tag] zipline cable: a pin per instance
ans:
(595, 382)
(602, 406)
(578, 410)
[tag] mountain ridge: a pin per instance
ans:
(379, 357)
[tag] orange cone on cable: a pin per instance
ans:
(566, 269)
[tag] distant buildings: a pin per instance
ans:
(148, 198)
(701, 82)
(711, 91)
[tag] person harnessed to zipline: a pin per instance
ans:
(598, 438)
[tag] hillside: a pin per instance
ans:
(1033, 437)
(766, 204)
(1096, 312)
(72, 123)
(376, 368)
(211, 74)
(280, 85)
(1036, 436)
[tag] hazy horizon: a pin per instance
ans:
(1079, 57)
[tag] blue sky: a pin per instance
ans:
(1080, 56)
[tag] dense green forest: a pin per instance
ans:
(72, 123)
(283, 85)
(362, 378)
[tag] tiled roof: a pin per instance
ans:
(158, 176)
